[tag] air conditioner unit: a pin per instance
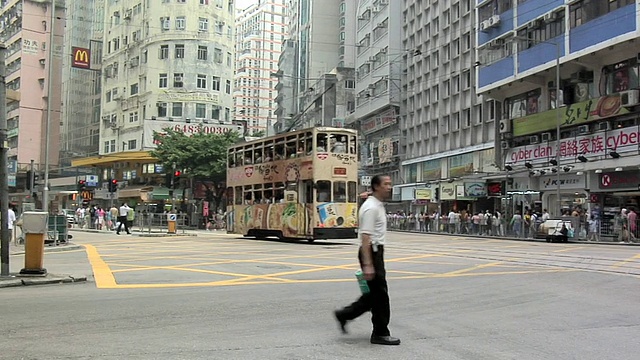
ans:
(583, 129)
(362, 17)
(372, 58)
(504, 145)
(483, 25)
(178, 79)
(550, 17)
(534, 24)
(494, 20)
(534, 139)
(383, 51)
(127, 14)
(546, 137)
(381, 25)
(106, 118)
(43, 62)
(384, 2)
(604, 126)
(113, 125)
(629, 98)
(496, 43)
(505, 126)
(371, 86)
(134, 62)
(376, 9)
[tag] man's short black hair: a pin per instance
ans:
(377, 181)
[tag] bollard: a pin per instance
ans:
(34, 227)
(172, 219)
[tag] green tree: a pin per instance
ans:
(201, 156)
(259, 133)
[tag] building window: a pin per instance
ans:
(162, 109)
(133, 116)
(176, 109)
(202, 52)
(204, 2)
(201, 111)
(164, 52)
(203, 24)
(180, 23)
(587, 10)
(133, 89)
(180, 51)
(201, 82)
(178, 80)
(106, 147)
(217, 56)
(215, 83)
(228, 87)
(163, 81)
(493, 7)
(523, 104)
(132, 144)
(215, 112)
(112, 145)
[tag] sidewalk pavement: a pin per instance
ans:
(513, 238)
(17, 260)
(135, 232)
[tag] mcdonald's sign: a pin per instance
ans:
(81, 58)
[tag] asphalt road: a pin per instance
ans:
(218, 297)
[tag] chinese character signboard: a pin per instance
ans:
(575, 114)
(619, 180)
(598, 144)
(81, 58)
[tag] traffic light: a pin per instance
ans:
(113, 185)
(176, 178)
(81, 185)
(28, 185)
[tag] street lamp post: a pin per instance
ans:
(558, 114)
(45, 190)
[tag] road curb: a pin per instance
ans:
(19, 280)
(50, 249)
(138, 234)
(584, 242)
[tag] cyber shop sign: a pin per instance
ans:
(598, 144)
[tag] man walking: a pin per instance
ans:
(124, 211)
(372, 233)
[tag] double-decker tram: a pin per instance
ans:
(297, 185)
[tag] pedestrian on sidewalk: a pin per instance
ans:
(124, 211)
(372, 232)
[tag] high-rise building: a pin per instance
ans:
(315, 45)
(260, 29)
(81, 80)
(378, 62)
(446, 142)
(25, 28)
(571, 144)
(165, 64)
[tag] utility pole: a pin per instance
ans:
(4, 171)
(45, 189)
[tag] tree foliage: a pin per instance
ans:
(200, 156)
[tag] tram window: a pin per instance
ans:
(352, 189)
(257, 196)
(278, 192)
(248, 156)
(291, 146)
(309, 143)
(239, 158)
(321, 142)
(339, 191)
(257, 154)
(323, 189)
(279, 152)
(238, 196)
(231, 159)
(230, 195)
(339, 144)
(268, 152)
(308, 191)
(353, 145)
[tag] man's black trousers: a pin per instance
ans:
(376, 301)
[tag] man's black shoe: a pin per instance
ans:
(341, 322)
(384, 340)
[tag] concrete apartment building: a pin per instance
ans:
(316, 43)
(447, 143)
(81, 80)
(25, 30)
(165, 64)
(379, 61)
(593, 163)
(260, 29)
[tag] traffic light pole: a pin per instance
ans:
(4, 171)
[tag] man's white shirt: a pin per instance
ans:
(373, 221)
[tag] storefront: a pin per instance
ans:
(573, 193)
(614, 191)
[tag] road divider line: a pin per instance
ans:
(626, 261)
(101, 271)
